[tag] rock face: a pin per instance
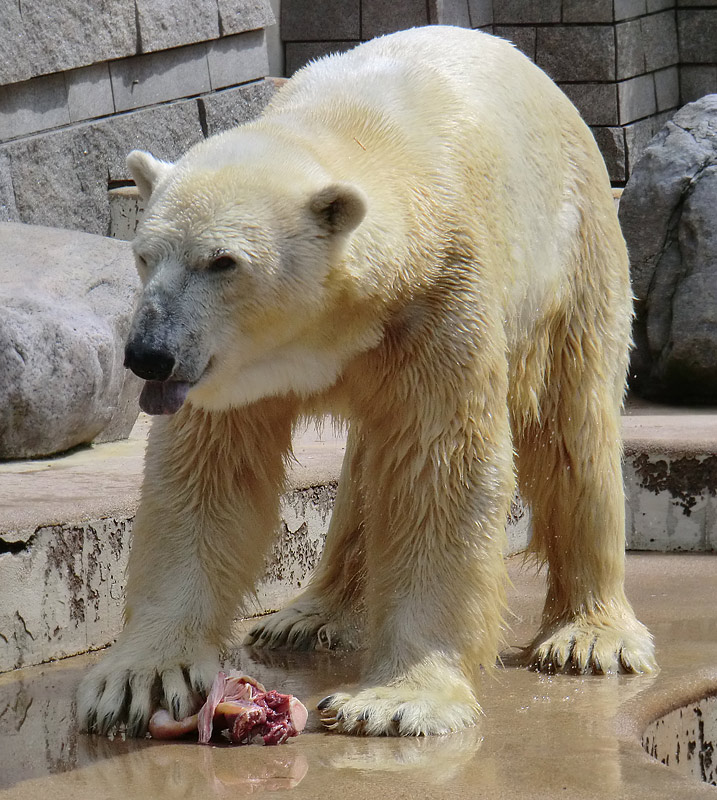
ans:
(668, 214)
(66, 300)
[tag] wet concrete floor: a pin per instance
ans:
(542, 737)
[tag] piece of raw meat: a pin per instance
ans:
(242, 709)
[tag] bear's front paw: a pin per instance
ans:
(400, 711)
(608, 647)
(126, 687)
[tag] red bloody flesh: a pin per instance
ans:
(243, 709)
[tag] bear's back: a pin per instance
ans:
(432, 77)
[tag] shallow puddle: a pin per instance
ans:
(542, 736)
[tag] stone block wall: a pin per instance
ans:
(82, 83)
(697, 32)
(313, 28)
(617, 60)
(628, 65)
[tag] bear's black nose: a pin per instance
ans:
(147, 362)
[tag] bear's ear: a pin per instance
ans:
(147, 171)
(339, 207)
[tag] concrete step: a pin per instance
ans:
(65, 525)
(670, 470)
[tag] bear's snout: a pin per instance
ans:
(152, 364)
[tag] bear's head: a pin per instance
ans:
(244, 292)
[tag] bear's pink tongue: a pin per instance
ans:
(163, 397)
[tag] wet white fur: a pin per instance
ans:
(468, 313)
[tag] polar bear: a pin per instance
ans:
(418, 237)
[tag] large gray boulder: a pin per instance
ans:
(65, 304)
(668, 213)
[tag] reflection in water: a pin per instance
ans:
(441, 758)
(39, 737)
(540, 732)
(569, 720)
(278, 772)
(190, 770)
(36, 728)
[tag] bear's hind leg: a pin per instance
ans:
(570, 474)
(327, 614)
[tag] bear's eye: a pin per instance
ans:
(221, 262)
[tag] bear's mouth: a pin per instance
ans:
(163, 397)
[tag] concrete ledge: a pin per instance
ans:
(65, 524)
(670, 474)
(65, 533)
(65, 539)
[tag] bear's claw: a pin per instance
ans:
(398, 711)
(302, 626)
(582, 648)
(115, 693)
